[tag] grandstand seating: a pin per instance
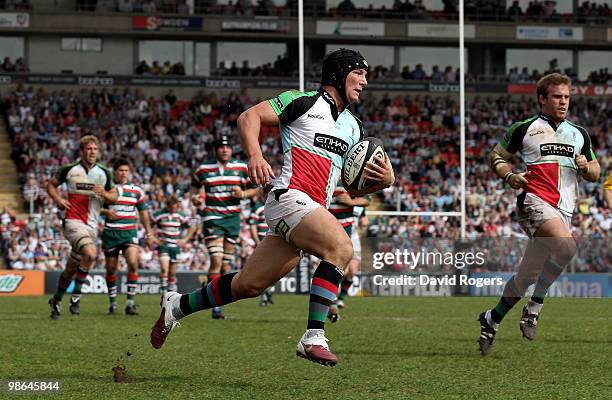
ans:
(420, 133)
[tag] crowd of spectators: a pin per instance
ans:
(166, 138)
(601, 76)
(283, 66)
(167, 68)
(15, 5)
(18, 66)
(154, 6)
(480, 10)
(594, 12)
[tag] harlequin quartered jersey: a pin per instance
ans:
(549, 152)
(131, 200)
(218, 181)
(85, 205)
(315, 140)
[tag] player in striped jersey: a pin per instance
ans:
(259, 229)
(120, 234)
(225, 183)
(170, 224)
(342, 207)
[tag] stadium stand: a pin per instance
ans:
(167, 137)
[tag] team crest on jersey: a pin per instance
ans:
(330, 143)
(557, 149)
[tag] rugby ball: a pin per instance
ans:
(356, 160)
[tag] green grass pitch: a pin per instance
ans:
(389, 348)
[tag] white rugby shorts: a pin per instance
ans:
(79, 234)
(285, 209)
(533, 212)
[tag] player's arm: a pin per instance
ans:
(54, 193)
(589, 170)
(185, 239)
(586, 162)
(109, 213)
(593, 171)
(109, 196)
(249, 125)
(344, 198)
(146, 222)
(254, 235)
(498, 161)
(241, 193)
(608, 197)
(380, 172)
(607, 189)
(195, 188)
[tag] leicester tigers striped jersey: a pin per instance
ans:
(169, 225)
(218, 181)
(257, 218)
(131, 200)
(342, 212)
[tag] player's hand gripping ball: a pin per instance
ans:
(356, 160)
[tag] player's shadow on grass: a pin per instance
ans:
(574, 340)
(252, 320)
(407, 353)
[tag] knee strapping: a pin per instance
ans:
(75, 256)
(228, 258)
(215, 250)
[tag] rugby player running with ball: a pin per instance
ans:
(317, 130)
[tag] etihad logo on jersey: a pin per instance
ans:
(316, 116)
(84, 186)
(330, 143)
(557, 149)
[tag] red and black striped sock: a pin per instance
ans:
(216, 293)
(344, 287)
(548, 276)
(163, 285)
(323, 291)
(62, 286)
(81, 278)
(509, 298)
(172, 283)
(131, 286)
(111, 284)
